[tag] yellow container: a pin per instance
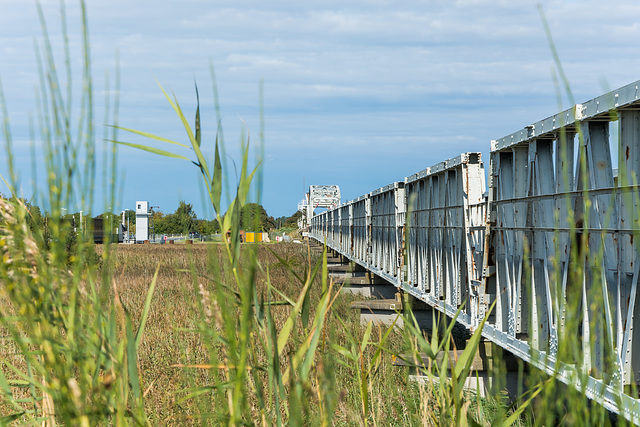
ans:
(252, 236)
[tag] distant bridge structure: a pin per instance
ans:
(554, 198)
(319, 196)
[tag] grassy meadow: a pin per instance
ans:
(170, 338)
(174, 359)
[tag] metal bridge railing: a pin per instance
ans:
(554, 242)
(559, 202)
(425, 234)
(445, 229)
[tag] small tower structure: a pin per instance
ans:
(321, 196)
(142, 221)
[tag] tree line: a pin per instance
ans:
(253, 217)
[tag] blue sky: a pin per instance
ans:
(356, 93)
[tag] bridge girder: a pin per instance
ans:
(552, 186)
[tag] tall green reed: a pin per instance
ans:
(259, 370)
(75, 345)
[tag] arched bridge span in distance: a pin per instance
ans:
(554, 197)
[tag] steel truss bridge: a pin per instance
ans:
(554, 241)
(319, 196)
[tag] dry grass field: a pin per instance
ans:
(305, 359)
(170, 336)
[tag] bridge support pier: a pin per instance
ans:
(385, 311)
(366, 285)
(355, 279)
(493, 371)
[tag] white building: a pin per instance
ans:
(142, 221)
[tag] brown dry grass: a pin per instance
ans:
(173, 335)
(169, 338)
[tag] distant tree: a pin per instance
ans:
(280, 221)
(254, 217)
(182, 221)
(207, 227)
(292, 221)
(158, 219)
(35, 219)
(185, 217)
